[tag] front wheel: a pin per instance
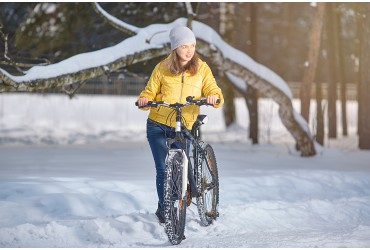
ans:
(208, 186)
(174, 204)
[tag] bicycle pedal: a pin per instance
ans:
(213, 215)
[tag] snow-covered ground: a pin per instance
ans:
(79, 173)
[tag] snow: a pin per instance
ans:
(79, 173)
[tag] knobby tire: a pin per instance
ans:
(208, 186)
(174, 206)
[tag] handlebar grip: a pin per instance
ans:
(137, 104)
(150, 104)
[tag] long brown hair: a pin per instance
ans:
(175, 65)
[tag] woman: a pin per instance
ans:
(180, 75)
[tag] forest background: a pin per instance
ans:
(276, 35)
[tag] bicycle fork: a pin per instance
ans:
(185, 165)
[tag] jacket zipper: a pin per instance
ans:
(182, 84)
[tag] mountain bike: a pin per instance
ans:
(188, 176)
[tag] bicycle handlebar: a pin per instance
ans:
(189, 101)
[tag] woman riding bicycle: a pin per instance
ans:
(180, 75)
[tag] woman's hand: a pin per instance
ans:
(142, 101)
(212, 99)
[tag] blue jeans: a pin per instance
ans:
(157, 134)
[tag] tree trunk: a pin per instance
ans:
(341, 75)
(228, 93)
(225, 28)
(364, 135)
(320, 132)
(310, 70)
(332, 79)
(251, 97)
(358, 75)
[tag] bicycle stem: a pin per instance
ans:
(178, 121)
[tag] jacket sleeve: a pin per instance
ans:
(210, 86)
(153, 86)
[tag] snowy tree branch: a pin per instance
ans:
(115, 22)
(290, 118)
(55, 76)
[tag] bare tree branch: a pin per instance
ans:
(19, 65)
(11, 62)
(71, 92)
(5, 38)
(190, 13)
(115, 22)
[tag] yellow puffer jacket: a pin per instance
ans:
(164, 86)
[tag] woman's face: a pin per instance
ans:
(186, 52)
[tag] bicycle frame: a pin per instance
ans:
(181, 134)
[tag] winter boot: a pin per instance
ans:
(160, 214)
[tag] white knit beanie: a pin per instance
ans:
(180, 35)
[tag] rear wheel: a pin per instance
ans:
(208, 186)
(174, 205)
